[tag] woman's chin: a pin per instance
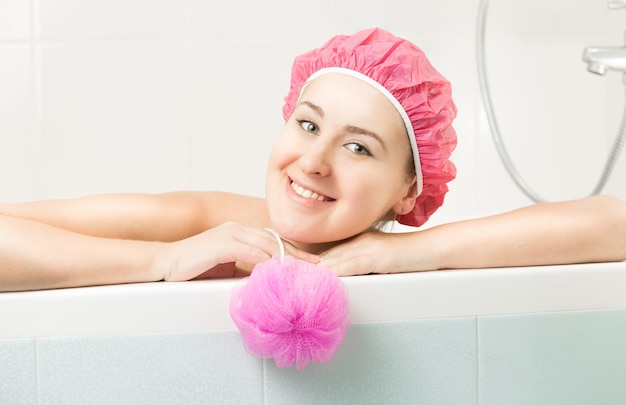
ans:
(306, 234)
(299, 236)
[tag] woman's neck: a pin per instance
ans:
(315, 248)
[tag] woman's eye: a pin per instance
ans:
(358, 149)
(308, 126)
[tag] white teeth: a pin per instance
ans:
(302, 192)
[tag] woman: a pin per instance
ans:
(367, 139)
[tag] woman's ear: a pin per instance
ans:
(407, 202)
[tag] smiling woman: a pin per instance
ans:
(367, 138)
(400, 72)
(342, 132)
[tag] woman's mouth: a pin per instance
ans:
(311, 195)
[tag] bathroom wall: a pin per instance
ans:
(152, 96)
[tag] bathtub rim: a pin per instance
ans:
(203, 305)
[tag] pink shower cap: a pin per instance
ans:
(400, 70)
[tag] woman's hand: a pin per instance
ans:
(377, 252)
(228, 250)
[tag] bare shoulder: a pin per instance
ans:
(186, 213)
(609, 206)
(614, 208)
(220, 207)
(598, 204)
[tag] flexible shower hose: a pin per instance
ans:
(495, 131)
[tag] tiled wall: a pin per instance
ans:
(554, 358)
(150, 96)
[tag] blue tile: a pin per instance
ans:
(560, 358)
(414, 362)
(18, 377)
(181, 368)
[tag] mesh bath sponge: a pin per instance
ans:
(401, 71)
(292, 311)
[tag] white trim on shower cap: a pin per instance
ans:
(394, 101)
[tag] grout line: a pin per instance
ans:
(35, 23)
(477, 361)
(38, 95)
(263, 382)
(187, 118)
(36, 81)
(11, 42)
(36, 355)
(187, 114)
(135, 40)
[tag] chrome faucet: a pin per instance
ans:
(601, 59)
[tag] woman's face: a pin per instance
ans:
(338, 165)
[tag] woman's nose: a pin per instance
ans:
(316, 159)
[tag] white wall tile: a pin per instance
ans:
(403, 17)
(15, 20)
(554, 17)
(18, 384)
(113, 118)
(559, 358)
(380, 363)
(236, 99)
(244, 19)
(112, 19)
(180, 368)
(19, 145)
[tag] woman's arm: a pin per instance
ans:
(115, 239)
(158, 217)
(37, 256)
(587, 230)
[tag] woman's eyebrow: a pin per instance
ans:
(357, 130)
(314, 107)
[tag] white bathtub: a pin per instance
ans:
(545, 305)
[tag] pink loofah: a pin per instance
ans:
(292, 311)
